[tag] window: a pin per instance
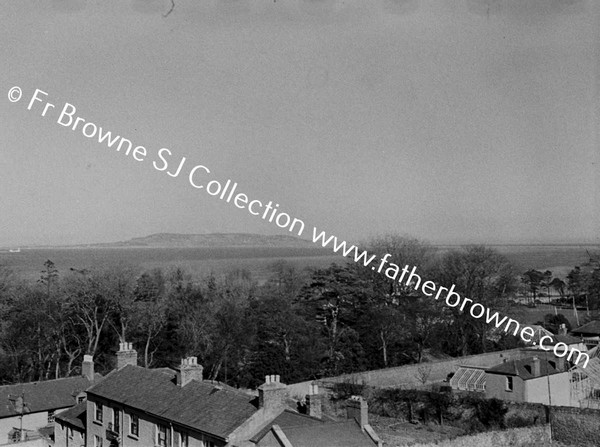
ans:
(80, 399)
(509, 383)
(116, 421)
(183, 439)
(162, 435)
(98, 412)
(97, 441)
(50, 416)
(134, 425)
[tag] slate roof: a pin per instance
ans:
(201, 406)
(517, 368)
(288, 418)
(591, 328)
(306, 431)
(42, 396)
(74, 416)
(332, 434)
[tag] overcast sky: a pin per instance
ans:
(451, 121)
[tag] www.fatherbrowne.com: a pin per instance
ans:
(67, 118)
(409, 277)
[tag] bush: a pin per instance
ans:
(347, 389)
(491, 412)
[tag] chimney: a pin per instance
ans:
(87, 367)
(560, 364)
(562, 330)
(189, 370)
(535, 367)
(314, 402)
(272, 393)
(357, 409)
(126, 355)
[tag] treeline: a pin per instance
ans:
(299, 324)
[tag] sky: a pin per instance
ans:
(472, 121)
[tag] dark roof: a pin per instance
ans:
(566, 339)
(306, 431)
(42, 396)
(74, 416)
(288, 418)
(517, 368)
(591, 328)
(332, 434)
(201, 406)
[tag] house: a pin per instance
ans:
(537, 380)
(27, 407)
(135, 406)
(69, 426)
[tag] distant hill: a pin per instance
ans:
(176, 240)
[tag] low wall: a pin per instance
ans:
(518, 437)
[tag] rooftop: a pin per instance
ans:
(42, 396)
(74, 416)
(202, 406)
(524, 368)
(306, 431)
(591, 328)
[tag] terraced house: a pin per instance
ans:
(139, 407)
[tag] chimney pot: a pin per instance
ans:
(536, 370)
(272, 394)
(189, 370)
(126, 355)
(87, 367)
(314, 403)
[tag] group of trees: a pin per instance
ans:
(299, 324)
(581, 288)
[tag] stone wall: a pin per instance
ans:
(413, 375)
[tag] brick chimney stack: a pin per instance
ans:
(535, 367)
(272, 393)
(189, 370)
(126, 355)
(357, 409)
(314, 402)
(87, 367)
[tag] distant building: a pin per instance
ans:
(26, 408)
(589, 332)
